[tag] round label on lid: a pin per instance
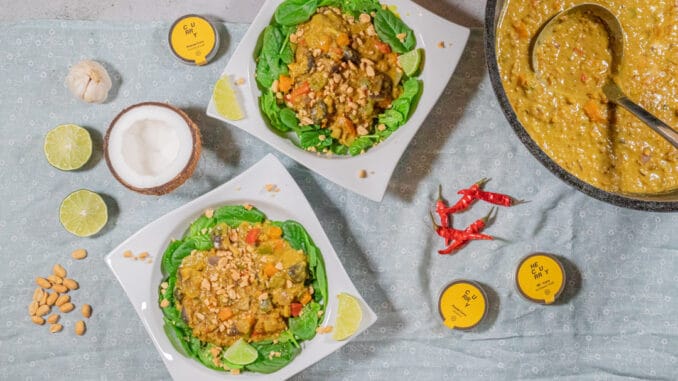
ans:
(193, 39)
(540, 278)
(462, 305)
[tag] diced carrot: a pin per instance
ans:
(305, 298)
(252, 236)
(584, 77)
(225, 314)
(270, 269)
(274, 232)
(285, 83)
(579, 51)
(521, 29)
(593, 111)
(383, 47)
(299, 90)
(295, 309)
(342, 39)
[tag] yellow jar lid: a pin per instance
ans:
(193, 39)
(540, 278)
(462, 305)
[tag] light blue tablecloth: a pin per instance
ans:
(617, 319)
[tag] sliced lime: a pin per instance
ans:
(68, 147)
(241, 353)
(83, 213)
(349, 316)
(226, 101)
(410, 61)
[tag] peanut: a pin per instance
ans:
(43, 310)
(52, 298)
(37, 294)
(164, 303)
(61, 300)
(54, 328)
(33, 308)
(59, 271)
(66, 307)
(42, 282)
(71, 284)
(79, 254)
(80, 328)
(55, 279)
(60, 288)
(43, 298)
(86, 310)
(53, 318)
(38, 320)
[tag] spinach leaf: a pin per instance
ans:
(304, 325)
(298, 238)
(294, 12)
(360, 145)
(312, 139)
(391, 118)
(288, 118)
(389, 27)
(176, 335)
(288, 351)
(205, 357)
(199, 225)
(272, 56)
(234, 215)
(411, 89)
(269, 106)
(356, 7)
(339, 149)
(330, 3)
(167, 256)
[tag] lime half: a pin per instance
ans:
(410, 61)
(83, 213)
(241, 353)
(68, 147)
(226, 101)
(349, 316)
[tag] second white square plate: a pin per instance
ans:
(379, 162)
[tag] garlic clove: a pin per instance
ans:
(89, 81)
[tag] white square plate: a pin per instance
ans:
(380, 161)
(140, 280)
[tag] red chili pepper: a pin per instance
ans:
(491, 197)
(472, 231)
(295, 309)
(441, 207)
(252, 236)
(467, 199)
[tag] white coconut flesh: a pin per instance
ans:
(149, 146)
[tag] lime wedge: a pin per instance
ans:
(410, 61)
(349, 316)
(226, 101)
(83, 213)
(68, 147)
(241, 353)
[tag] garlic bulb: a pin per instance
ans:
(89, 81)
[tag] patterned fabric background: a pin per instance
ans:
(616, 319)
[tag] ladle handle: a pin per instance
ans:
(663, 129)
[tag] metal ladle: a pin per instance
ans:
(612, 91)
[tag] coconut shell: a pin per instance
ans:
(183, 175)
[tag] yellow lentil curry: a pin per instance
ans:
(246, 287)
(342, 76)
(563, 108)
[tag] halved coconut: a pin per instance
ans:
(152, 148)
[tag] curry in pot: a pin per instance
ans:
(564, 109)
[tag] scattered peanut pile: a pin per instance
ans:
(44, 300)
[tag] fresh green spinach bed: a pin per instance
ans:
(300, 329)
(276, 52)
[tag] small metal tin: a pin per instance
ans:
(193, 39)
(462, 304)
(540, 278)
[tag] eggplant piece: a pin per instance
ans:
(319, 112)
(351, 55)
(297, 272)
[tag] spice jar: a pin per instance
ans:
(193, 39)
(462, 304)
(540, 278)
